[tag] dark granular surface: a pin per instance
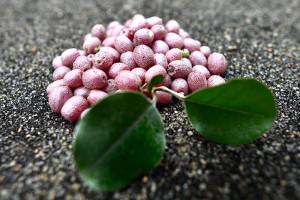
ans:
(259, 40)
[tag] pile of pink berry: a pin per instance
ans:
(126, 57)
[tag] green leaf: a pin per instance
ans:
(156, 80)
(234, 113)
(119, 139)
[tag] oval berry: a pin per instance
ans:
(73, 108)
(95, 96)
(127, 80)
(143, 56)
(216, 63)
(58, 97)
(196, 81)
(94, 79)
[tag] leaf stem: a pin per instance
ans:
(165, 89)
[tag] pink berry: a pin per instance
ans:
(82, 63)
(179, 69)
(127, 58)
(95, 96)
(201, 69)
(91, 58)
(143, 56)
(167, 81)
(205, 50)
(114, 53)
(183, 34)
(138, 17)
(215, 80)
(127, 23)
(187, 61)
(163, 97)
(81, 53)
(197, 58)
(60, 72)
(137, 24)
(143, 36)
(174, 54)
(174, 40)
(172, 26)
(103, 60)
(113, 24)
(73, 108)
(73, 78)
(111, 86)
(99, 31)
(160, 46)
(116, 68)
(94, 79)
(117, 30)
(154, 71)
(82, 91)
(123, 44)
(69, 56)
(159, 32)
(196, 81)
(90, 44)
(191, 44)
(56, 63)
(140, 72)
(109, 42)
(154, 21)
(216, 64)
(87, 36)
(180, 85)
(54, 85)
(127, 80)
(161, 59)
(126, 32)
(58, 97)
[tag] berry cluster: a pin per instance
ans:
(126, 57)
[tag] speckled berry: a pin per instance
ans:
(123, 44)
(159, 32)
(196, 81)
(127, 80)
(167, 81)
(137, 24)
(154, 21)
(82, 91)
(73, 78)
(127, 58)
(160, 46)
(109, 42)
(215, 80)
(140, 72)
(180, 85)
(54, 85)
(102, 60)
(205, 50)
(82, 63)
(174, 40)
(110, 86)
(216, 63)
(73, 108)
(114, 53)
(197, 58)
(58, 97)
(116, 68)
(154, 71)
(99, 31)
(201, 69)
(174, 54)
(60, 72)
(179, 69)
(172, 26)
(94, 79)
(90, 44)
(143, 56)
(56, 63)
(143, 36)
(69, 56)
(191, 44)
(163, 97)
(183, 34)
(160, 59)
(95, 96)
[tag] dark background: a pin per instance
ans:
(259, 39)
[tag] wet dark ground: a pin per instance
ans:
(260, 40)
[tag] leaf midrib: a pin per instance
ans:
(116, 141)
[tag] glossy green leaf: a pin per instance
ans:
(234, 113)
(119, 139)
(156, 80)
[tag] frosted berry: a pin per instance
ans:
(196, 81)
(197, 58)
(123, 44)
(58, 97)
(172, 26)
(60, 72)
(90, 44)
(160, 46)
(174, 40)
(205, 50)
(160, 59)
(167, 81)
(73, 78)
(116, 31)
(94, 79)
(87, 36)
(140, 72)
(73, 108)
(82, 91)
(143, 56)
(183, 34)
(201, 69)
(56, 63)
(127, 58)
(110, 86)
(179, 69)
(143, 36)
(180, 85)
(163, 97)
(187, 61)
(154, 71)
(174, 54)
(109, 42)
(69, 56)
(215, 80)
(113, 24)
(116, 68)
(103, 60)
(114, 53)
(81, 53)
(127, 80)
(54, 85)
(99, 31)
(82, 63)
(159, 32)
(191, 44)
(137, 24)
(154, 21)
(216, 64)
(96, 96)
